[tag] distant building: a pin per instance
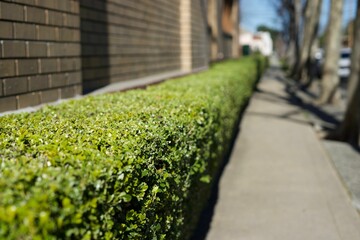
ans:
(53, 50)
(257, 42)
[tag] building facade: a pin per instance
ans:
(57, 49)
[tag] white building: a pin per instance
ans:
(260, 41)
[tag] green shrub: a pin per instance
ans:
(133, 165)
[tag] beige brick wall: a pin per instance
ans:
(39, 52)
(194, 42)
(185, 35)
(127, 39)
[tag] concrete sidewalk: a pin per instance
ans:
(279, 183)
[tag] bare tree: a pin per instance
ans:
(350, 127)
(330, 80)
(311, 24)
(290, 14)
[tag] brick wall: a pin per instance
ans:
(94, 47)
(52, 49)
(194, 28)
(126, 39)
(40, 52)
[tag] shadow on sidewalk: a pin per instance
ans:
(328, 119)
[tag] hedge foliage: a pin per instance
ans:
(132, 165)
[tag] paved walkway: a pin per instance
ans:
(279, 183)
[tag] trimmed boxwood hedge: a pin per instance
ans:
(131, 165)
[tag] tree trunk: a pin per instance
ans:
(350, 127)
(295, 19)
(291, 53)
(311, 23)
(330, 80)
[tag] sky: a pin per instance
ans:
(258, 12)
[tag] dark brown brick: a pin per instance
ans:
(25, 31)
(12, 49)
(58, 80)
(35, 15)
(50, 96)
(56, 49)
(68, 92)
(11, 11)
(64, 6)
(38, 82)
(55, 18)
(77, 63)
(14, 86)
(52, 4)
(70, 64)
(74, 6)
(72, 21)
(74, 78)
(37, 49)
(6, 30)
(65, 19)
(78, 90)
(49, 65)
(66, 34)
(27, 66)
(28, 100)
(28, 2)
(7, 104)
(69, 35)
(72, 49)
(64, 49)
(46, 33)
(7, 68)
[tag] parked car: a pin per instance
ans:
(344, 63)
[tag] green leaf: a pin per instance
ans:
(205, 179)
(125, 197)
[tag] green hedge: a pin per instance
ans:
(133, 165)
